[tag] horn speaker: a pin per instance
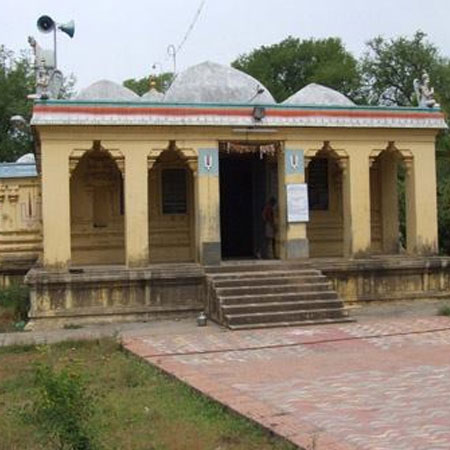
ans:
(45, 24)
(68, 28)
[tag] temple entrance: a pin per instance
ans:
(248, 178)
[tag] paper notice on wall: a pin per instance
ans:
(297, 202)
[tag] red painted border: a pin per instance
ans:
(188, 111)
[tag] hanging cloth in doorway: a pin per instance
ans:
(262, 149)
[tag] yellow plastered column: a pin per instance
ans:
(136, 203)
(421, 201)
(356, 202)
(207, 205)
(56, 204)
(292, 236)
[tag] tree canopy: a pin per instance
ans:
(142, 85)
(286, 67)
(389, 68)
(16, 82)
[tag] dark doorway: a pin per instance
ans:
(244, 188)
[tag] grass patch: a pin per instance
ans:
(14, 306)
(136, 406)
(444, 310)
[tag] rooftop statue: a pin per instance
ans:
(424, 92)
(49, 79)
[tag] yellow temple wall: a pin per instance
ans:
(20, 226)
(345, 229)
(20, 218)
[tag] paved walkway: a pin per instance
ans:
(376, 384)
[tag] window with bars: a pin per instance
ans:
(174, 192)
(318, 184)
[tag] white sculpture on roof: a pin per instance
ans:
(424, 92)
(49, 79)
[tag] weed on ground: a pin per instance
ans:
(444, 310)
(134, 406)
(14, 306)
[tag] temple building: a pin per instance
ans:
(133, 200)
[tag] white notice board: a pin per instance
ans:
(297, 202)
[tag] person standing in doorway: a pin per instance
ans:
(268, 216)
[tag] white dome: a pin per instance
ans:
(213, 83)
(28, 158)
(316, 94)
(153, 96)
(107, 90)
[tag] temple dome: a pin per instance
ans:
(107, 90)
(28, 158)
(316, 94)
(153, 95)
(210, 82)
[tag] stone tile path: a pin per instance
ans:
(378, 385)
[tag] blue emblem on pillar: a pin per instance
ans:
(208, 162)
(294, 162)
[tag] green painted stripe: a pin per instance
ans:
(234, 106)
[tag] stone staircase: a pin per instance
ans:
(271, 294)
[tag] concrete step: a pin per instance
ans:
(280, 298)
(272, 289)
(257, 266)
(270, 278)
(301, 323)
(283, 316)
(262, 274)
(247, 308)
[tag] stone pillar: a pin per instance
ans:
(136, 203)
(56, 204)
(292, 236)
(356, 202)
(389, 202)
(207, 206)
(421, 201)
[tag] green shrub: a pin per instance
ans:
(444, 310)
(17, 298)
(63, 410)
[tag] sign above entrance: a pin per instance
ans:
(208, 162)
(294, 162)
(297, 202)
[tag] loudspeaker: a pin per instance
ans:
(45, 24)
(68, 28)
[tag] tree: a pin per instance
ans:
(142, 85)
(389, 68)
(286, 67)
(16, 82)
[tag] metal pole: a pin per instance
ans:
(54, 46)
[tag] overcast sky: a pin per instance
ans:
(120, 39)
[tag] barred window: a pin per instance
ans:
(174, 195)
(318, 184)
